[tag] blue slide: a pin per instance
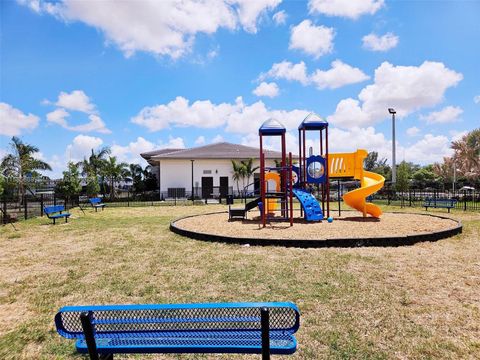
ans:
(310, 205)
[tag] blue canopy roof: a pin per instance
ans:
(313, 122)
(272, 127)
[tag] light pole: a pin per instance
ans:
(394, 166)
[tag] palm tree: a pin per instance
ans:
(114, 172)
(21, 163)
(136, 173)
(238, 173)
(249, 169)
(92, 167)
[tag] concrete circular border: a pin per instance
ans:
(392, 241)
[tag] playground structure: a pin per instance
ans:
(313, 171)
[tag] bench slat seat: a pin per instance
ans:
(56, 212)
(96, 203)
(182, 328)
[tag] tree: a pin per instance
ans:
(2, 180)
(21, 163)
(249, 169)
(372, 163)
(467, 154)
(136, 173)
(92, 168)
(424, 176)
(93, 187)
(238, 173)
(403, 176)
(444, 171)
(70, 185)
(114, 172)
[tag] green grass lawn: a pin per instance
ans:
(418, 302)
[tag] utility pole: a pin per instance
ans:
(394, 166)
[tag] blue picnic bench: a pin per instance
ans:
(241, 328)
(56, 212)
(96, 203)
(439, 203)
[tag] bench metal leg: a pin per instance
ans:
(265, 322)
(54, 221)
(85, 318)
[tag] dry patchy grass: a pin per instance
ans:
(416, 302)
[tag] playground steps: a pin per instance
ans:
(310, 205)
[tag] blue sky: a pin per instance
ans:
(142, 75)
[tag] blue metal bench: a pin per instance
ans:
(241, 328)
(96, 203)
(56, 212)
(439, 203)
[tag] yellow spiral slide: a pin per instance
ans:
(345, 165)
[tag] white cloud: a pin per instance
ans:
(249, 11)
(14, 121)
(131, 152)
(236, 117)
(413, 131)
(374, 42)
(266, 89)
(476, 99)
(81, 147)
(218, 138)
(288, 71)
(248, 118)
(164, 28)
(280, 17)
(339, 75)
(173, 143)
(311, 39)
(77, 100)
(58, 117)
(406, 88)
(96, 124)
(448, 114)
(200, 140)
(345, 8)
(349, 114)
(429, 149)
(179, 112)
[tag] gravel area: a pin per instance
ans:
(349, 225)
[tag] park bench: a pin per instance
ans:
(241, 328)
(56, 212)
(439, 203)
(96, 203)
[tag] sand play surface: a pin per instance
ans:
(349, 225)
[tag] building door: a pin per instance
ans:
(207, 187)
(256, 183)
(223, 186)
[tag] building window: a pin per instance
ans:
(205, 172)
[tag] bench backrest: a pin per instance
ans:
(440, 201)
(95, 200)
(118, 319)
(48, 210)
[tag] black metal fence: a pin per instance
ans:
(465, 199)
(14, 208)
(31, 205)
